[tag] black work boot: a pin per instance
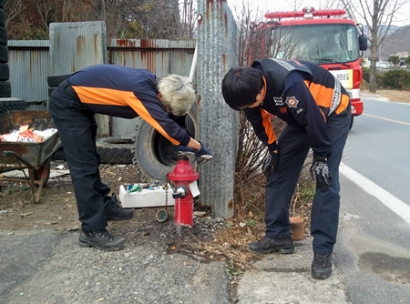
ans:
(267, 245)
(321, 266)
(113, 211)
(100, 239)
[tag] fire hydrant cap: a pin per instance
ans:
(183, 171)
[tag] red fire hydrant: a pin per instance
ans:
(183, 175)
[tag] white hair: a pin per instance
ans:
(177, 93)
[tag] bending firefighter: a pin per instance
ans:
(121, 92)
(316, 109)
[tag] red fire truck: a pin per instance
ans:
(324, 37)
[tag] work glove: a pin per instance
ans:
(183, 149)
(203, 155)
(320, 172)
(270, 163)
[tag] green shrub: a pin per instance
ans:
(398, 79)
(366, 74)
(395, 80)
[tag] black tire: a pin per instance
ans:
(54, 81)
(50, 91)
(154, 155)
(1, 3)
(351, 123)
(59, 154)
(2, 18)
(4, 72)
(11, 104)
(5, 89)
(115, 150)
(4, 54)
(3, 35)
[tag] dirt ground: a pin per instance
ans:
(401, 96)
(57, 210)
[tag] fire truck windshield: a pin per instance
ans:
(318, 43)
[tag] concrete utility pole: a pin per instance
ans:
(218, 124)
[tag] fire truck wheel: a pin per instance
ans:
(162, 215)
(351, 123)
(154, 155)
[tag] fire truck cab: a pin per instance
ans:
(324, 37)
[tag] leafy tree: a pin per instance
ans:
(407, 61)
(395, 60)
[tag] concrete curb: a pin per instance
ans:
(287, 279)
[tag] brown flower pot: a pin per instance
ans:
(297, 228)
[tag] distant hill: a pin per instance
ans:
(397, 41)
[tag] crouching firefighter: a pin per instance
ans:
(316, 109)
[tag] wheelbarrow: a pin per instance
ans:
(35, 157)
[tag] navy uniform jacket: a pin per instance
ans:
(302, 94)
(125, 92)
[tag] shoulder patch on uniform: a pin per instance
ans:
(278, 101)
(292, 102)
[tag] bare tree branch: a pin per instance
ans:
(378, 16)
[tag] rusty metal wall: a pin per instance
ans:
(218, 44)
(29, 63)
(76, 45)
(162, 57)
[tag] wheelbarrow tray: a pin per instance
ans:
(36, 157)
(32, 155)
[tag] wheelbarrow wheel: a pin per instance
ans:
(162, 215)
(42, 172)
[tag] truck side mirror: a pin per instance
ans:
(363, 42)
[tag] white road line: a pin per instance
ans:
(389, 200)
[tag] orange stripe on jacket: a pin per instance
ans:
(112, 97)
(343, 104)
(267, 125)
(322, 95)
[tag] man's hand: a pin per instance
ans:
(320, 172)
(183, 149)
(203, 155)
(270, 164)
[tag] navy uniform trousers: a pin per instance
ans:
(293, 146)
(77, 129)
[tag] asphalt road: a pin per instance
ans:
(373, 249)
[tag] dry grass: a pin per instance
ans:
(393, 95)
(248, 223)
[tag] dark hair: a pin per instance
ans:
(240, 86)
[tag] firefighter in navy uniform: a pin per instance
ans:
(121, 92)
(316, 109)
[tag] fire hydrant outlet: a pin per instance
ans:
(182, 176)
(180, 192)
